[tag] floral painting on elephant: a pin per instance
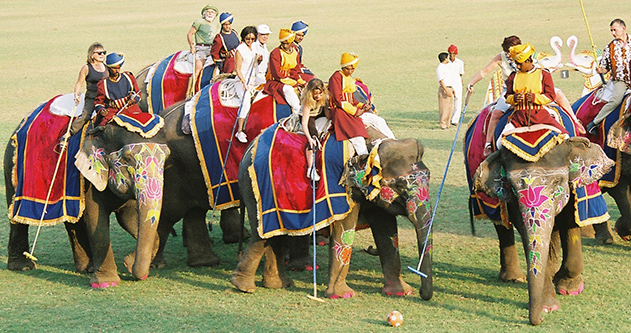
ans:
(284, 195)
(212, 123)
(35, 142)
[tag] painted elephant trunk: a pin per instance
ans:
(537, 277)
(420, 212)
(148, 180)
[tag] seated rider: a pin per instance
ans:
(314, 100)
(300, 29)
(528, 90)
(345, 110)
(225, 45)
(200, 36)
(246, 60)
(118, 93)
(283, 74)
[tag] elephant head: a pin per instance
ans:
(540, 191)
(132, 168)
(402, 190)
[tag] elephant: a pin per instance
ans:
(537, 196)
(404, 187)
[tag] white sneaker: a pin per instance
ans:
(241, 137)
(316, 176)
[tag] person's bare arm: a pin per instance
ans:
(83, 73)
(491, 66)
(189, 38)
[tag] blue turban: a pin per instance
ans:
(300, 26)
(225, 16)
(115, 59)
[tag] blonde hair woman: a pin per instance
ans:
(313, 100)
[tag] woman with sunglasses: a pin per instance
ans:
(246, 65)
(90, 74)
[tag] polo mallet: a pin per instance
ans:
(313, 186)
(30, 255)
(440, 190)
(133, 95)
(591, 40)
(234, 128)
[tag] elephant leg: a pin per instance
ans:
(275, 274)
(127, 217)
(384, 231)
(622, 196)
(18, 244)
(80, 244)
(569, 278)
(198, 249)
(243, 276)
(340, 249)
(509, 261)
(230, 224)
(98, 229)
(299, 258)
(550, 302)
(164, 230)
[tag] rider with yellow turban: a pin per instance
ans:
(283, 72)
(529, 89)
(345, 111)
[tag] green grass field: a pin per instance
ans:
(44, 44)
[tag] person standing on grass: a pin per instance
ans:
(200, 36)
(456, 69)
(445, 90)
(617, 59)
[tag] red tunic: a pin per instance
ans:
(112, 95)
(223, 50)
(274, 86)
(345, 125)
(526, 115)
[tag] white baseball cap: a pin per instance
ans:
(263, 29)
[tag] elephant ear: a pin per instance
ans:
(588, 162)
(91, 162)
(490, 178)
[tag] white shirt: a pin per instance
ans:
(442, 74)
(249, 60)
(261, 49)
(456, 70)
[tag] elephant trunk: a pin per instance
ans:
(420, 213)
(148, 175)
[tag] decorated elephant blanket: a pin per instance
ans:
(145, 124)
(212, 124)
(529, 145)
(167, 85)
(284, 194)
(34, 161)
(586, 108)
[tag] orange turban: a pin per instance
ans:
(286, 35)
(349, 59)
(521, 53)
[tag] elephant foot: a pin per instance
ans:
(340, 290)
(514, 275)
(85, 268)
(243, 283)
(20, 263)
(233, 238)
(129, 261)
(603, 233)
(322, 240)
(159, 261)
(100, 282)
(206, 260)
(569, 286)
(400, 288)
(300, 264)
(276, 282)
(622, 231)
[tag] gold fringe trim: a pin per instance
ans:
(542, 151)
(138, 130)
(589, 221)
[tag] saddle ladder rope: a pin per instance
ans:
(30, 255)
(440, 190)
(234, 127)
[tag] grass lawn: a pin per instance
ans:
(44, 44)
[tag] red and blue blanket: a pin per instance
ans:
(167, 86)
(211, 126)
(34, 165)
(284, 194)
(586, 108)
(145, 124)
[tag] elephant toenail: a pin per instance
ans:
(94, 285)
(334, 296)
(144, 277)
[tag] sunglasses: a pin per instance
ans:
(100, 52)
(250, 38)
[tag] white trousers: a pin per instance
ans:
(371, 119)
(245, 98)
(455, 118)
(359, 143)
(291, 98)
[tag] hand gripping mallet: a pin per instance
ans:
(440, 190)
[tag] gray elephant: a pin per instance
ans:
(540, 199)
(404, 191)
